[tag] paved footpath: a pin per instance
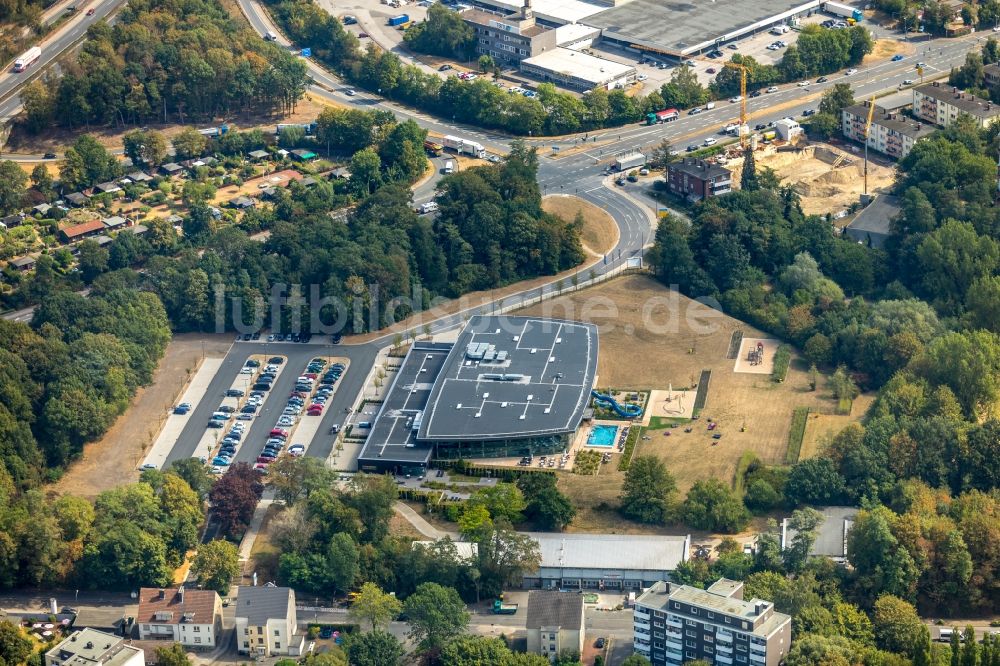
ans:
(175, 423)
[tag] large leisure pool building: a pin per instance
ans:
(509, 386)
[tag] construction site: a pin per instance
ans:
(827, 178)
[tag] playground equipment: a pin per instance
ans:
(756, 354)
(628, 411)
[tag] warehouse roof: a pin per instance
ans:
(682, 27)
(512, 377)
(579, 65)
(611, 551)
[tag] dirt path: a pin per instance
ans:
(115, 458)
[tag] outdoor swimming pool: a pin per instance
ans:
(602, 435)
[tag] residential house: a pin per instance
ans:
(116, 222)
(11, 221)
(342, 173)
(108, 188)
(78, 199)
(892, 132)
(303, 155)
(89, 647)
(674, 624)
(171, 169)
(555, 622)
(941, 104)
(139, 229)
(873, 224)
(257, 155)
(23, 264)
(140, 177)
(80, 231)
(241, 202)
(192, 618)
(103, 241)
(42, 209)
(308, 181)
(697, 179)
(266, 623)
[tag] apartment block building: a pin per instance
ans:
(192, 618)
(674, 624)
(941, 104)
(509, 38)
(266, 623)
(892, 133)
(697, 179)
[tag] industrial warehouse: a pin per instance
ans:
(509, 386)
(648, 26)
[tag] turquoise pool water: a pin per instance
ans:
(602, 435)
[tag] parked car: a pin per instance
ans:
(822, 79)
(808, 112)
(897, 57)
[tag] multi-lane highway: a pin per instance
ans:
(53, 47)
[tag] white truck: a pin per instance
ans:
(27, 59)
(838, 9)
(464, 146)
(629, 161)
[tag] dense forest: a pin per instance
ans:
(167, 60)
(67, 378)
(383, 251)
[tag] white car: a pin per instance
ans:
(710, 141)
(296, 450)
(246, 371)
(641, 77)
(736, 100)
(350, 92)
(804, 84)
(851, 71)
(908, 82)
(772, 89)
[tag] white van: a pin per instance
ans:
(270, 36)
(779, 30)
(449, 167)
(710, 105)
(428, 207)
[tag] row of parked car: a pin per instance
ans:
(302, 399)
(245, 412)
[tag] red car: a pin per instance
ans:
(265, 459)
(314, 412)
(311, 375)
(90, 12)
(278, 432)
(261, 468)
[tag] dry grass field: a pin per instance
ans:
(651, 338)
(821, 427)
(599, 233)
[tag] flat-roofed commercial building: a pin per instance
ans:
(90, 647)
(673, 624)
(941, 104)
(605, 561)
(509, 386)
(577, 70)
(509, 38)
(892, 133)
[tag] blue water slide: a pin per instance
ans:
(628, 411)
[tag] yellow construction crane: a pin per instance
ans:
(744, 112)
(868, 127)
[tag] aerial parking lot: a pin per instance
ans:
(260, 404)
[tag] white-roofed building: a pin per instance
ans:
(577, 70)
(606, 561)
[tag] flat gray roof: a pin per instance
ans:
(685, 26)
(874, 222)
(831, 535)
(512, 377)
(392, 437)
(626, 552)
